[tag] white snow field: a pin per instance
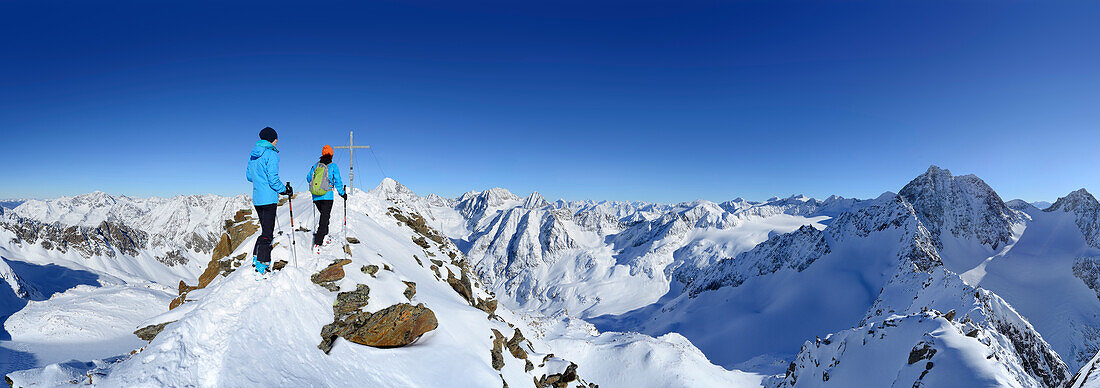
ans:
(940, 285)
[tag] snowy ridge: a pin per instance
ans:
(18, 286)
(137, 239)
(187, 222)
(1088, 376)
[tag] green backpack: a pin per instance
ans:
(320, 184)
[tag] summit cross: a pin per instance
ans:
(351, 148)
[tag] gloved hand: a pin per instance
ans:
(345, 195)
(289, 190)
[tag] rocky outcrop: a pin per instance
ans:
(559, 380)
(173, 258)
(147, 333)
(393, 326)
(462, 287)
(108, 239)
(328, 277)
(236, 231)
(347, 303)
(515, 345)
(1088, 270)
(496, 354)
(489, 306)
(417, 224)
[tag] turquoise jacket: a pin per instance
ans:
(333, 177)
(263, 172)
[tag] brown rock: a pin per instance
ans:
(184, 288)
(496, 354)
(147, 333)
(279, 265)
(513, 345)
(559, 380)
(462, 286)
(353, 240)
(177, 302)
(370, 269)
(487, 305)
(242, 215)
(393, 326)
(327, 277)
(410, 289)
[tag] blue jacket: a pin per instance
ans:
(333, 177)
(263, 172)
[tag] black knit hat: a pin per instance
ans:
(268, 134)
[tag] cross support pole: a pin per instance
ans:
(351, 148)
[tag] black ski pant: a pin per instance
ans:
(324, 207)
(266, 214)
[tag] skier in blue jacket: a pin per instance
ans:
(263, 172)
(325, 182)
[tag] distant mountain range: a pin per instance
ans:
(941, 284)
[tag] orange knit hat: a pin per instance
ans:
(326, 150)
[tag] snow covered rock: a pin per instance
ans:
(394, 326)
(919, 350)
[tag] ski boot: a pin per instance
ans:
(261, 268)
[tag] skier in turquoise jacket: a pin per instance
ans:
(263, 172)
(324, 201)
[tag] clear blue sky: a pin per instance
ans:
(626, 100)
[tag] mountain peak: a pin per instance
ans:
(390, 186)
(962, 206)
(937, 170)
(1076, 201)
(534, 201)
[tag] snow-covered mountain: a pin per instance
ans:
(151, 239)
(11, 203)
(942, 284)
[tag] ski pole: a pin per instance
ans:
(293, 248)
(346, 221)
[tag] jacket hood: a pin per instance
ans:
(261, 147)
